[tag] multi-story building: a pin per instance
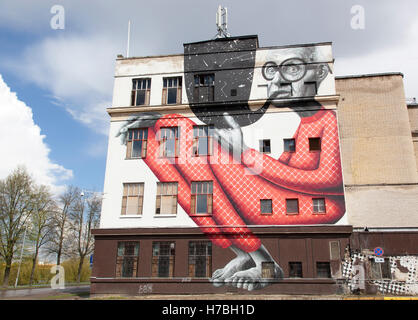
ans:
(234, 167)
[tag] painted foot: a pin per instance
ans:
(242, 262)
(252, 278)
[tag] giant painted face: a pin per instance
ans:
(294, 72)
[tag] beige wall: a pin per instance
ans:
(379, 163)
(413, 119)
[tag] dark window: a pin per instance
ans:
(136, 144)
(127, 259)
(267, 270)
(163, 254)
(133, 198)
(287, 87)
(311, 88)
(380, 270)
(202, 140)
(295, 270)
(166, 202)
(266, 206)
(140, 92)
(233, 92)
(292, 206)
(202, 197)
(204, 88)
(172, 90)
(314, 144)
(289, 145)
(200, 259)
(323, 270)
(318, 205)
(169, 142)
(265, 146)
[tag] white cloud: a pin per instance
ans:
(77, 70)
(22, 143)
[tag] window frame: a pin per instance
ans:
(163, 142)
(313, 206)
(120, 260)
(160, 195)
(294, 145)
(196, 140)
(194, 198)
(294, 263)
(146, 88)
(262, 146)
(166, 87)
(328, 264)
(125, 196)
(155, 260)
(130, 142)
(261, 207)
(192, 258)
(198, 86)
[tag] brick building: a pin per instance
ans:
(235, 167)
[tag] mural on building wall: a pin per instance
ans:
(241, 175)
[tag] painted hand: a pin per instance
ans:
(143, 120)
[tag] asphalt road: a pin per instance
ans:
(43, 292)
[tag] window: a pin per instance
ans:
(133, 198)
(292, 206)
(204, 88)
(166, 198)
(140, 92)
(318, 205)
(267, 270)
(265, 146)
(289, 145)
(311, 88)
(169, 142)
(323, 270)
(136, 144)
(202, 140)
(127, 259)
(334, 249)
(295, 270)
(163, 259)
(314, 144)
(380, 270)
(266, 206)
(200, 259)
(287, 87)
(202, 197)
(172, 90)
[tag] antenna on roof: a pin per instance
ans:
(129, 38)
(222, 22)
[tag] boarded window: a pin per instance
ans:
(380, 270)
(127, 259)
(163, 254)
(334, 249)
(200, 259)
(140, 92)
(292, 206)
(266, 206)
(201, 199)
(172, 90)
(323, 270)
(166, 202)
(295, 270)
(136, 144)
(133, 198)
(314, 144)
(267, 270)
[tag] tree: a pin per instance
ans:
(84, 217)
(16, 207)
(41, 222)
(59, 231)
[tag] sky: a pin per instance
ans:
(55, 84)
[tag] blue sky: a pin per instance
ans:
(65, 77)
